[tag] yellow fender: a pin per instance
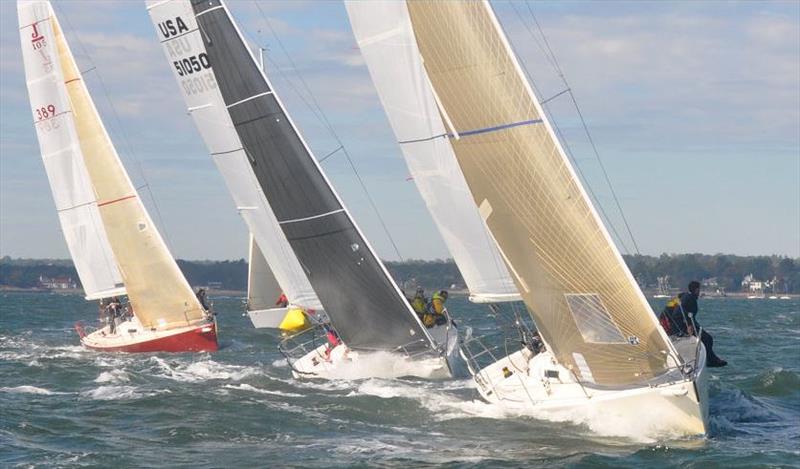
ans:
(294, 321)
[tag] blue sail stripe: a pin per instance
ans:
(467, 133)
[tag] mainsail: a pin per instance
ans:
(157, 291)
(384, 34)
(263, 289)
(182, 41)
(586, 304)
(63, 159)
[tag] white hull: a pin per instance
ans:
(537, 386)
(342, 363)
(267, 318)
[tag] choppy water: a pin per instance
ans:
(63, 406)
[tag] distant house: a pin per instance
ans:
(57, 283)
(710, 283)
(749, 283)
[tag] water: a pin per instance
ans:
(63, 406)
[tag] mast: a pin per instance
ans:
(74, 197)
(384, 35)
(159, 294)
(586, 305)
(182, 41)
(363, 302)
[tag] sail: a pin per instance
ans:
(157, 290)
(383, 32)
(63, 161)
(182, 41)
(364, 304)
(263, 289)
(586, 304)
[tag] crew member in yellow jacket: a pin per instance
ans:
(435, 316)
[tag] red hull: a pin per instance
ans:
(193, 340)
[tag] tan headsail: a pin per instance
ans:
(584, 300)
(156, 288)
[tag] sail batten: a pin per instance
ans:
(583, 299)
(423, 128)
(363, 302)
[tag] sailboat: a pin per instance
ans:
(603, 349)
(115, 245)
(240, 115)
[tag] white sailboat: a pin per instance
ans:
(241, 118)
(116, 248)
(603, 349)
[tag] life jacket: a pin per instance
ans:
(671, 313)
(419, 304)
(437, 303)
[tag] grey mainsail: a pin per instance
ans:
(364, 304)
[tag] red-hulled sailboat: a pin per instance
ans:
(114, 244)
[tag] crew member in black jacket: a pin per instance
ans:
(689, 309)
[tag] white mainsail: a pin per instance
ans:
(584, 300)
(159, 294)
(182, 40)
(74, 196)
(386, 39)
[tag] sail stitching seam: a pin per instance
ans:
(180, 35)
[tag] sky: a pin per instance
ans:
(694, 108)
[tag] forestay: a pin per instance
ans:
(363, 302)
(182, 41)
(263, 289)
(586, 304)
(63, 160)
(384, 34)
(157, 290)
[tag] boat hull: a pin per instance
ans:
(522, 383)
(339, 362)
(197, 338)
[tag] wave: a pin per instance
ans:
(247, 387)
(112, 376)
(776, 382)
(115, 393)
(203, 371)
(29, 390)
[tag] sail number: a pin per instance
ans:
(192, 64)
(45, 112)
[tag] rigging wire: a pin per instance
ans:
(324, 120)
(547, 51)
(560, 72)
(118, 122)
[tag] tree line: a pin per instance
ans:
(727, 271)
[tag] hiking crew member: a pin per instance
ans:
(419, 303)
(679, 318)
(201, 297)
(435, 315)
